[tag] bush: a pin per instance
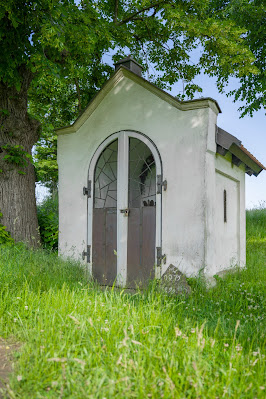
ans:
(48, 222)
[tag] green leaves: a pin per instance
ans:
(252, 90)
(5, 237)
(5, 112)
(59, 38)
(15, 154)
(48, 222)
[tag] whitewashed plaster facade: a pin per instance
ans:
(194, 236)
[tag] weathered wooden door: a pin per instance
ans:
(141, 213)
(104, 238)
(124, 214)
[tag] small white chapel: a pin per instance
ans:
(147, 182)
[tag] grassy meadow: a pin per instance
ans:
(78, 341)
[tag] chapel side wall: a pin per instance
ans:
(180, 137)
(229, 235)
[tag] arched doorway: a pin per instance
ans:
(124, 210)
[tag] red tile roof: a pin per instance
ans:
(251, 156)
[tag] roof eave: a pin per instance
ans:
(226, 142)
(250, 164)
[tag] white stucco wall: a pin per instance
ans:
(186, 143)
(228, 247)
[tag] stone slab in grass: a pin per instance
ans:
(174, 282)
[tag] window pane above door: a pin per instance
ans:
(105, 178)
(142, 175)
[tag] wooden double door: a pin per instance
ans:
(125, 211)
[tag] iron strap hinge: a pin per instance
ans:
(160, 184)
(88, 254)
(160, 257)
(87, 190)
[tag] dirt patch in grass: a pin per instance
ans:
(7, 349)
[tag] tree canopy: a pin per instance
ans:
(251, 15)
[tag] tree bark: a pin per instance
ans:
(17, 191)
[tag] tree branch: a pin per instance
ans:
(116, 11)
(132, 16)
(152, 39)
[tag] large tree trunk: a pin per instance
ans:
(17, 181)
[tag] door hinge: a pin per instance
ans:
(87, 190)
(160, 257)
(160, 184)
(87, 254)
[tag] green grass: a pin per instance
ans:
(82, 342)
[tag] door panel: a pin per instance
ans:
(142, 214)
(104, 230)
(98, 246)
(104, 246)
(134, 246)
(141, 245)
(148, 240)
(111, 246)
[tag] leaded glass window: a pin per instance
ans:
(142, 175)
(105, 178)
